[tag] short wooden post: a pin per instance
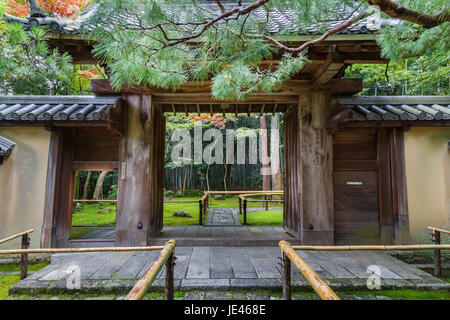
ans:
(245, 211)
(170, 263)
(286, 265)
(437, 254)
(200, 216)
(240, 205)
(24, 257)
(267, 202)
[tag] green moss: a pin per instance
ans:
(263, 218)
(404, 294)
(6, 281)
(90, 216)
(78, 233)
(32, 266)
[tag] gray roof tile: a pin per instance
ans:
(395, 108)
(57, 108)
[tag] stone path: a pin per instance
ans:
(223, 217)
(229, 216)
(224, 268)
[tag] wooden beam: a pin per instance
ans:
(335, 121)
(323, 74)
(194, 92)
(95, 166)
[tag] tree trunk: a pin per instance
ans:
(225, 177)
(277, 178)
(76, 186)
(86, 185)
(265, 144)
(98, 192)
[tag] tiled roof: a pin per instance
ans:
(57, 108)
(278, 21)
(6, 147)
(398, 108)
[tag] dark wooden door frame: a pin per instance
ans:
(59, 189)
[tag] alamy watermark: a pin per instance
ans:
(374, 279)
(235, 147)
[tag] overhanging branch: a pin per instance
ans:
(395, 10)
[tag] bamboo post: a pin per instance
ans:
(245, 211)
(141, 287)
(322, 289)
(437, 253)
(240, 205)
(170, 263)
(267, 202)
(286, 265)
(200, 216)
(24, 257)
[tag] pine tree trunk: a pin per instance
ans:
(98, 192)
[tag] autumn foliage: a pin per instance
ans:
(62, 8)
(217, 120)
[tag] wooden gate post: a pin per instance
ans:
(286, 265)
(24, 257)
(316, 181)
(170, 264)
(437, 253)
(245, 211)
(141, 172)
(200, 213)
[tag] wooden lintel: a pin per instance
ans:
(95, 166)
(200, 92)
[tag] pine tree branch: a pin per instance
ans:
(395, 10)
(322, 38)
(220, 5)
(239, 10)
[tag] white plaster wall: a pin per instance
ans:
(22, 184)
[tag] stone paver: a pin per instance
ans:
(222, 217)
(225, 268)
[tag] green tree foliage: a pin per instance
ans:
(426, 75)
(166, 43)
(29, 66)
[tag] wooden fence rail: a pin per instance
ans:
(167, 257)
(25, 245)
(436, 237)
(437, 247)
(243, 201)
(289, 255)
